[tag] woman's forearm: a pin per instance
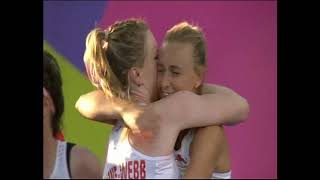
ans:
(95, 106)
(186, 109)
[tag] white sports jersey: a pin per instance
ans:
(60, 170)
(124, 162)
(183, 157)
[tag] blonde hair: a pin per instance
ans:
(112, 52)
(187, 33)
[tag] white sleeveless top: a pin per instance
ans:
(125, 162)
(183, 157)
(60, 170)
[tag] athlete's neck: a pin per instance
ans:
(139, 95)
(49, 151)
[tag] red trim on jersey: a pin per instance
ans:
(59, 136)
(179, 158)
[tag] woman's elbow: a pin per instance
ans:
(78, 104)
(241, 113)
(244, 110)
(85, 108)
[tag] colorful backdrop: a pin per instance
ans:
(242, 55)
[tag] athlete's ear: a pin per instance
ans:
(197, 84)
(48, 100)
(201, 75)
(135, 75)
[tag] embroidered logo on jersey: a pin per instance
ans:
(180, 159)
(135, 169)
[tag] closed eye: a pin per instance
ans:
(160, 68)
(175, 70)
(156, 57)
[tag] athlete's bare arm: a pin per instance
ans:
(185, 109)
(206, 154)
(217, 89)
(84, 164)
(223, 101)
(94, 105)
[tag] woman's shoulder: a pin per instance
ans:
(84, 164)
